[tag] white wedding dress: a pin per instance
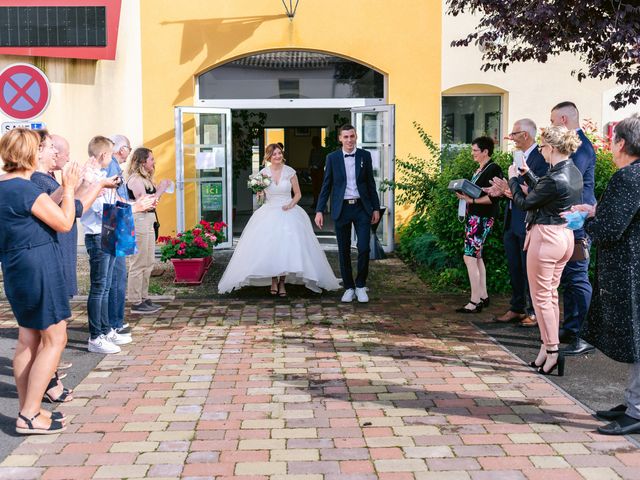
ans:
(278, 242)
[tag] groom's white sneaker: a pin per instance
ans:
(361, 294)
(348, 295)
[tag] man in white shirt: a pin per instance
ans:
(102, 339)
(348, 180)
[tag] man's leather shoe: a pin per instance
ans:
(529, 321)
(566, 336)
(613, 413)
(509, 317)
(578, 347)
(623, 425)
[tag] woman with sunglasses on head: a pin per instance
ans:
(549, 244)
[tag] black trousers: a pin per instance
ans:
(356, 215)
(517, 263)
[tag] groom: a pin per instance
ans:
(348, 177)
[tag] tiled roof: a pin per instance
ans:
(289, 60)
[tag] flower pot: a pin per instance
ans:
(190, 271)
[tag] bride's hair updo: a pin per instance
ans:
(269, 151)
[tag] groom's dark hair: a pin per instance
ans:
(345, 127)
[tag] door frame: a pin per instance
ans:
(180, 180)
(389, 174)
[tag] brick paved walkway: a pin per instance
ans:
(317, 390)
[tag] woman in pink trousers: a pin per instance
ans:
(549, 244)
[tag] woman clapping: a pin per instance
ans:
(33, 274)
(549, 244)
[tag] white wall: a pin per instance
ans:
(91, 97)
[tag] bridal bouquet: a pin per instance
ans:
(258, 183)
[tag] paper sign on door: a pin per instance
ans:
(215, 158)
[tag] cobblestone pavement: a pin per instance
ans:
(312, 389)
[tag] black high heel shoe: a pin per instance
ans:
(477, 308)
(534, 365)
(559, 365)
(485, 302)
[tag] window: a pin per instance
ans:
(291, 74)
(466, 117)
(289, 88)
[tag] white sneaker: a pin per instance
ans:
(117, 339)
(102, 345)
(361, 294)
(347, 297)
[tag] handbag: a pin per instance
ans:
(156, 226)
(118, 230)
(580, 250)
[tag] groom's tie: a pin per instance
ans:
(349, 155)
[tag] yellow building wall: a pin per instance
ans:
(180, 40)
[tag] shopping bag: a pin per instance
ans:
(118, 230)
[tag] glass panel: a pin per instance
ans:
(374, 132)
(291, 74)
(206, 159)
(467, 117)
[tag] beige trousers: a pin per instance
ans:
(142, 263)
(549, 248)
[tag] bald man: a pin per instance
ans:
(62, 146)
(575, 276)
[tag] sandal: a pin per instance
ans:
(477, 308)
(559, 364)
(55, 427)
(57, 416)
(62, 398)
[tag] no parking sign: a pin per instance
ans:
(24, 91)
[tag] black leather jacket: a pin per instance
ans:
(556, 192)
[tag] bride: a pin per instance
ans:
(278, 244)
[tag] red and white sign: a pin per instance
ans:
(24, 91)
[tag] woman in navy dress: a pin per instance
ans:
(48, 160)
(33, 274)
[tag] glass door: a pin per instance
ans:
(204, 167)
(375, 127)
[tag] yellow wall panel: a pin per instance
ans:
(180, 40)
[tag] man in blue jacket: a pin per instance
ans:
(575, 277)
(523, 136)
(348, 180)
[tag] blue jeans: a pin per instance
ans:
(100, 272)
(118, 292)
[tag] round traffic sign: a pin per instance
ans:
(24, 91)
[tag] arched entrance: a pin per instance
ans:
(290, 96)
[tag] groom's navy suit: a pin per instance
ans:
(346, 213)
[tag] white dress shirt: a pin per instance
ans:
(351, 191)
(529, 150)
